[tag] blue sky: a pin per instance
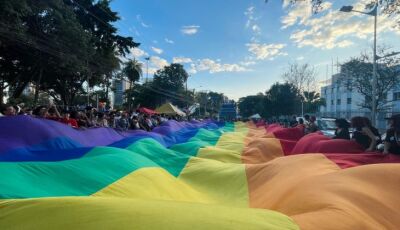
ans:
(242, 47)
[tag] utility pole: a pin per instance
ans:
(187, 98)
(87, 88)
(147, 68)
(375, 78)
(373, 13)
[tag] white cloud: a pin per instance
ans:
(169, 41)
(266, 51)
(182, 60)
(213, 66)
(286, 3)
(158, 62)
(300, 58)
(137, 52)
(251, 22)
(256, 29)
(190, 30)
(248, 63)
(140, 20)
(192, 69)
(250, 16)
(134, 30)
(332, 28)
(299, 12)
(157, 50)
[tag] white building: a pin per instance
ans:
(344, 101)
(120, 87)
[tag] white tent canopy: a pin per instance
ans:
(170, 109)
(255, 116)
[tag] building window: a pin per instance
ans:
(338, 102)
(332, 90)
(349, 101)
(332, 103)
(396, 96)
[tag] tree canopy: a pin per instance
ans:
(390, 7)
(302, 76)
(358, 71)
(280, 99)
(251, 105)
(58, 45)
(167, 86)
(286, 98)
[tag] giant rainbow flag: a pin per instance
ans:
(197, 175)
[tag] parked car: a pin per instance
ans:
(327, 126)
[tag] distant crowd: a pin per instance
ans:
(92, 117)
(359, 129)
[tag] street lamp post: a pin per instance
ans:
(187, 95)
(375, 79)
(374, 13)
(199, 101)
(147, 68)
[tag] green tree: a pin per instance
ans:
(132, 71)
(312, 101)
(43, 40)
(204, 100)
(357, 74)
(215, 101)
(284, 99)
(167, 86)
(58, 45)
(301, 76)
(251, 105)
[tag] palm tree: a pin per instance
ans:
(311, 96)
(313, 101)
(132, 71)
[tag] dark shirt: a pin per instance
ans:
(293, 123)
(361, 138)
(375, 132)
(393, 138)
(342, 134)
(312, 127)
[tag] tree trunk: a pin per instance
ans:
(107, 89)
(37, 88)
(130, 96)
(1, 92)
(19, 89)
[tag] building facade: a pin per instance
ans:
(120, 86)
(228, 111)
(344, 101)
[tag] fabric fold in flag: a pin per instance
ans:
(197, 175)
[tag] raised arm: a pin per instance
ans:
(369, 133)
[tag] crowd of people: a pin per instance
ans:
(90, 117)
(359, 129)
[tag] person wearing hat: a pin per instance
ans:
(392, 140)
